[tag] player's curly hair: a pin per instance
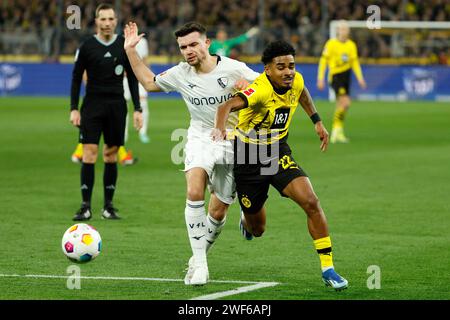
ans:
(189, 28)
(276, 49)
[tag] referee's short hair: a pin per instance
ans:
(103, 6)
(189, 28)
(276, 49)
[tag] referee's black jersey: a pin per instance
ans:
(105, 64)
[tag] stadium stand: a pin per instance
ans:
(38, 27)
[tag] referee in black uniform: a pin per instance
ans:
(104, 108)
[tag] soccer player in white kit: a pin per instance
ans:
(142, 50)
(204, 81)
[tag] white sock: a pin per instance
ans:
(195, 216)
(126, 128)
(213, 230)
(145, 114)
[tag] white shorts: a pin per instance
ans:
(216, 158)
(126, 90)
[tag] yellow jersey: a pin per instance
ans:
(340, 57)
(268, 114)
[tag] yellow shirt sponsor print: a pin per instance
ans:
(269, 114)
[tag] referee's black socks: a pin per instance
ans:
(87, 182)
(109, 182)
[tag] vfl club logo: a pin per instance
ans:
(223, 82)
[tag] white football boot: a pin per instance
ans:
(189, 271)
(200, 276)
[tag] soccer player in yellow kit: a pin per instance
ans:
(262, 156)
(341, 56)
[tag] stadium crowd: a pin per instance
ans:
(39, 26)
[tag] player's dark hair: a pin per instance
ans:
(189, 28)
(103, 6)
(276, 49)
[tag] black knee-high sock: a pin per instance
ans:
(109, 182)
(87, 182)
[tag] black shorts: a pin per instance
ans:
(340, 82)
(253, 180)
(103, 114)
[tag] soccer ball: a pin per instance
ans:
(81, 243)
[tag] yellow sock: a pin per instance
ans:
(79, 150)
(338, 118)
(323, 247)
(122, 153)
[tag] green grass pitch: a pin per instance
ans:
(386, 197)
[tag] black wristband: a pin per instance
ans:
(315, 118)
(138, 110)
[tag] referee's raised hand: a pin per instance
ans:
(131, 35)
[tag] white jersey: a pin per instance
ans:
(203, 93)
(142, 50)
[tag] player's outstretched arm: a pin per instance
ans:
(308, 105)
(145, 76)
(223, 111)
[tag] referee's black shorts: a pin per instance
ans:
(103, 114)
(253, 180)
(340, 82)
